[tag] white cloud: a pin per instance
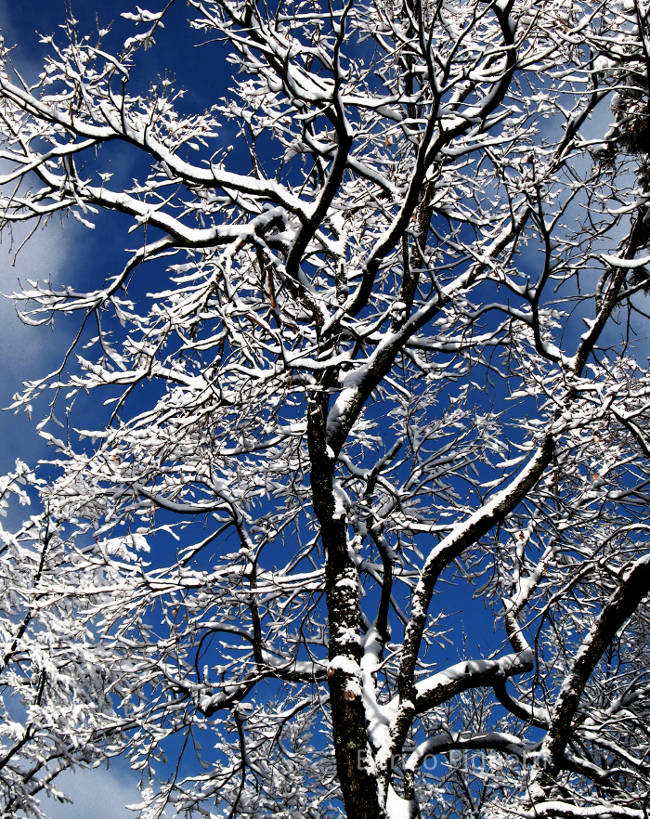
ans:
(44, 256)
(28, 352)
(96, 794)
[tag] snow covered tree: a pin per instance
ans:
(56, 676)
(375, 354)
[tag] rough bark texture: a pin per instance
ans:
(358, 785)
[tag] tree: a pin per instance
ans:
(375, 357)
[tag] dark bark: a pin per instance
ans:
(358, 785)
(621, 605)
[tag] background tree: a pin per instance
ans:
(371, 359)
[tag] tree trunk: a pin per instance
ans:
(358, 784)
